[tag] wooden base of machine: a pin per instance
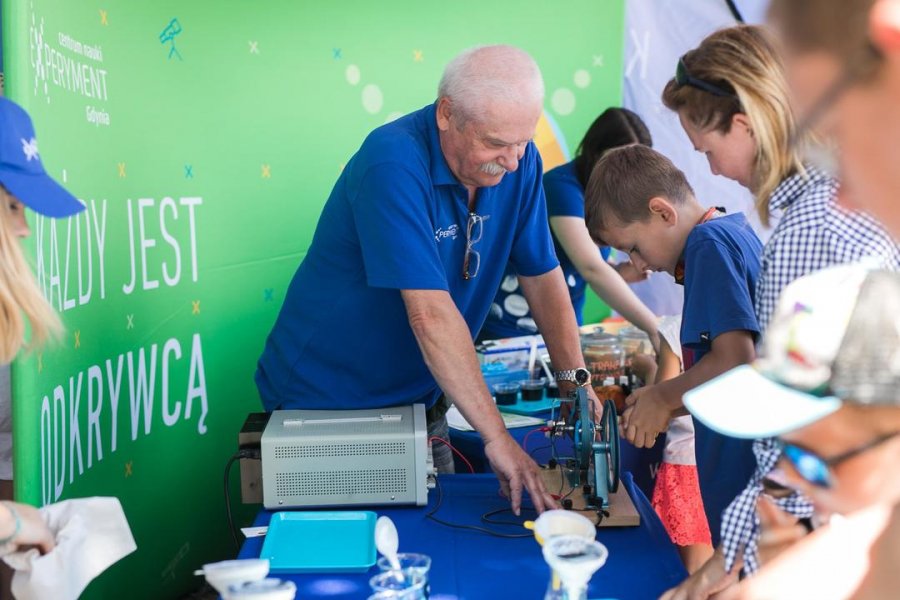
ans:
(622, 512)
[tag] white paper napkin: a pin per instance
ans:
(91, 535)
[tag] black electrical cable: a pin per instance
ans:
(533, 450)
(437, 505)
(562, 481)
(486, 517)
(236, 456)
(569, 493)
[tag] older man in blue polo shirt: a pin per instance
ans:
(409, 252)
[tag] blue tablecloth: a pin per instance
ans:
(471, 565)
(642, 463)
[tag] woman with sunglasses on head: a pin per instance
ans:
(732, 101)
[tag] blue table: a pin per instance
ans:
(643, 463)
(471, 565)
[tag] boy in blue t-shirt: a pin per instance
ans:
(637, 201)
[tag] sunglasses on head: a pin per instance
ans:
(683, 77)
(819, 471)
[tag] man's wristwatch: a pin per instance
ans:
(579, 376)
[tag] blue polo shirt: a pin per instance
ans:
(510, 315)
(396, 219)
(721, 265)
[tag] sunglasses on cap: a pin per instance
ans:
(819, 471)
(683, 77)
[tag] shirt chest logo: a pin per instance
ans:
(442, 233)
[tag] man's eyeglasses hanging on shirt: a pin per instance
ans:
(472, 259)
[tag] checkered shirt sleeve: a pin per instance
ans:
(740, 524)
(813, 233)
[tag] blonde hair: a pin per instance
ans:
(742, 59)
(20, 295)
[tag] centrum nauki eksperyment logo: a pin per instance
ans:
(67, 62)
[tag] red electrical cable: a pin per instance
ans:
(455, 451)
(527, 435)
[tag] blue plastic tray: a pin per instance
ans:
(529, 407)
(320, 542)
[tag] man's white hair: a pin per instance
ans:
(481, 76)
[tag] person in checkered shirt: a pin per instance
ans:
(731, 97)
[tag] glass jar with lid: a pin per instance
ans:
(603, 356)
(634, 341)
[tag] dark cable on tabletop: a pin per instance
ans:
(440, 498)
(236, 456)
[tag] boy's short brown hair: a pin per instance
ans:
(623, 182)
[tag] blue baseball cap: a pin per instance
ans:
(21, 170)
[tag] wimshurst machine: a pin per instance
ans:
(594, 469)
(346, 457)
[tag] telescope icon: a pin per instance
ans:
(168, 35)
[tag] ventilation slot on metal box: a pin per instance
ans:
(326, 450)
(321, 483)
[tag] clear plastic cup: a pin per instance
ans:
(408, 582)
(506, 393)
(409, 561)
(393, 595)
(533, 389)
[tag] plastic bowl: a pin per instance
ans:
(552, 523)
(226, 573)
(265, 589)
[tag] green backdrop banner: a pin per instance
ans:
(204, 139)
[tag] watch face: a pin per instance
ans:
(582, 376)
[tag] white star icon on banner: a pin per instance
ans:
(29, 147)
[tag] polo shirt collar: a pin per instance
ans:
(790, 189)
(440, 170)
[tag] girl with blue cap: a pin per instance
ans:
(23, 183)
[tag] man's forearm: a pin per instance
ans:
(446, 345)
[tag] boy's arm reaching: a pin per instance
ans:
(651, 408)
(669, 363)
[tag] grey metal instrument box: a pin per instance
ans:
(345, 457)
